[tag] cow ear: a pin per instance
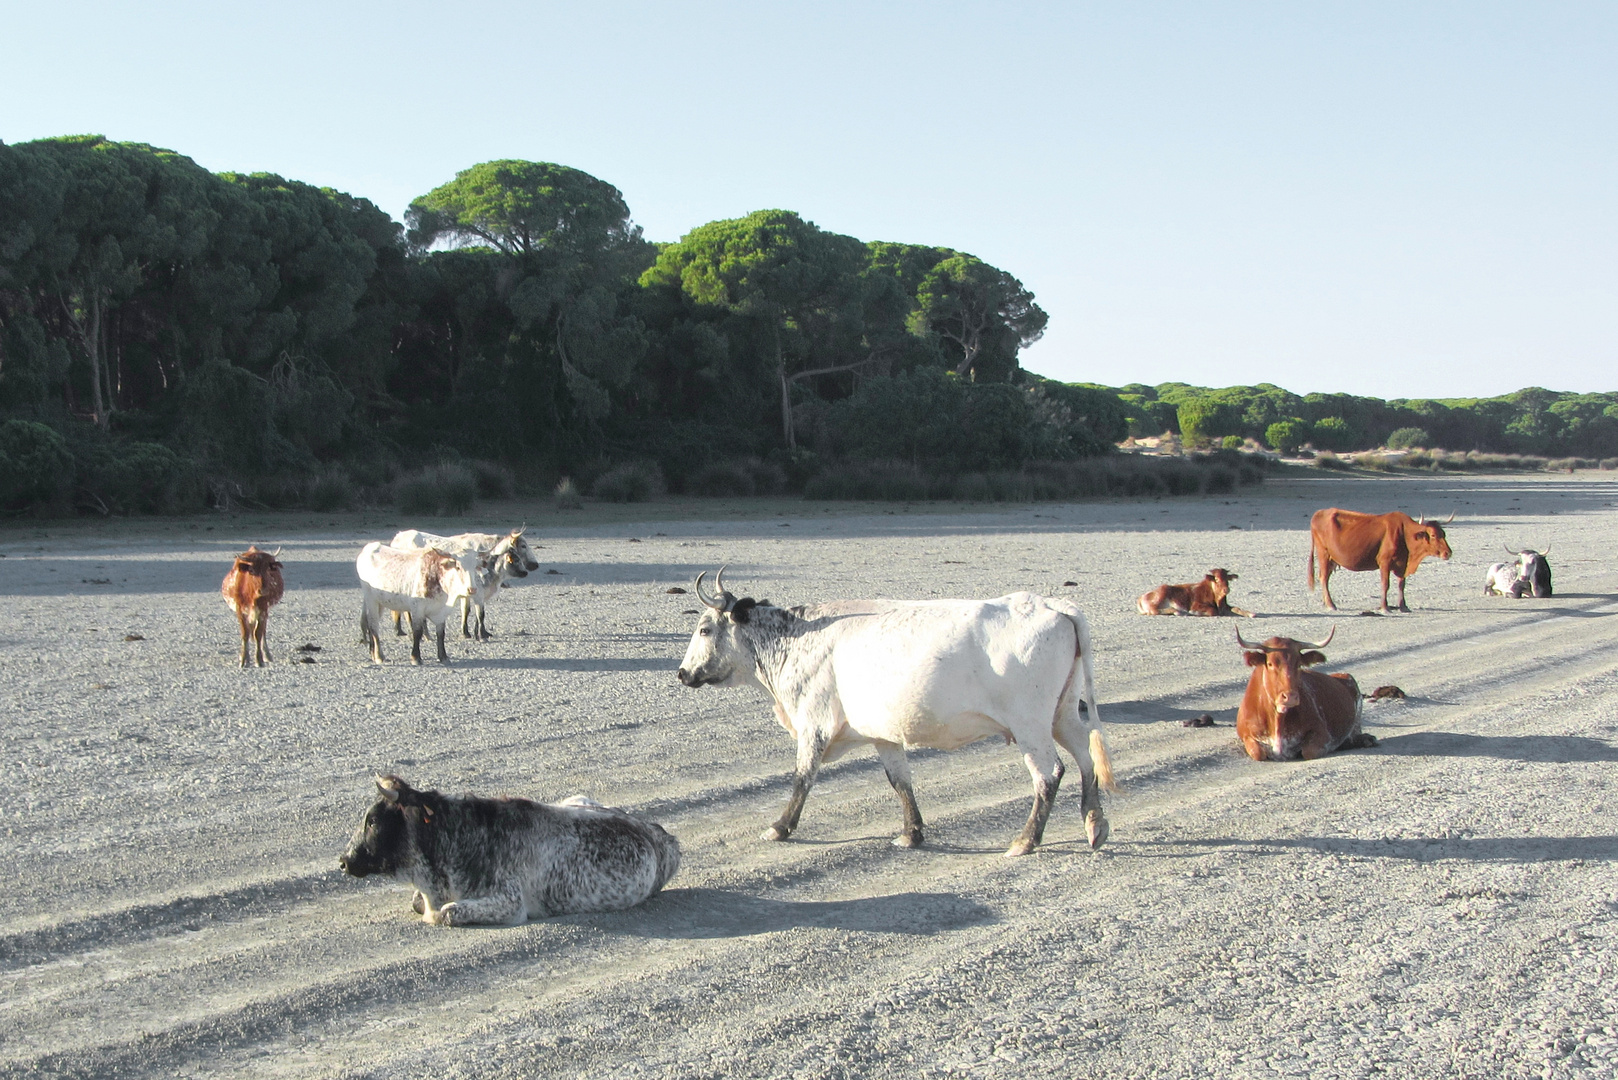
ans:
(1254, 659)
(1310, 658)
(743, 608)
(1422, 534)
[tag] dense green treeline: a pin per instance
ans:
(172, 338)
(1530, 421)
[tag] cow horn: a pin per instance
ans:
(1450, 518)
(1509, 551)
(1546, 553)
(1320, 644)
(704, 596)
(1250, 645)
(276, 554)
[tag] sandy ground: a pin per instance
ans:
(1443, 905)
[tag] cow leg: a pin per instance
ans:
(1046, 769)
(811, 749)
(503, 908)
(466, 611)
(483, 626)
(1255, 748)
(897, 766)
(241, 619)
(398, 624)
(261, 650)
(1072, 736)
(416, 630)
(443, 657)
(1386, 572)
(1402, 606)
(1325, 581)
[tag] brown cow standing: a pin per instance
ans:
(1392, 543)
(1290, 713)
(1210, 596)
(252, 588)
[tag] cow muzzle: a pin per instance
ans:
(1287, 702)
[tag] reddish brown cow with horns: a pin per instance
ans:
(252, 587)
(1210, 596)
(1289, 712)
(1391, 543)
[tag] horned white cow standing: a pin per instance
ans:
(505, 556)
(931, 673)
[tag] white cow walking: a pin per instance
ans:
(896, 674)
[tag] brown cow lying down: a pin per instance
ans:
(506, 860)
(1210, 596)
(1289, 712)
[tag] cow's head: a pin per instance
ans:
(1220, 579)
(507, 553)
(1534, 569)
(522, 555)
(1427, 538)
(1278, 661)
(381, 845)
(254, 561)
(718, 655)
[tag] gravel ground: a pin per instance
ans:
(1445, 904)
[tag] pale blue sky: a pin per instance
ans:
(1397, 199)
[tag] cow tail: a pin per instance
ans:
(1311, 562)
(1087, 684)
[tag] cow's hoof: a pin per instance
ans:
(1096, 825)
(908, 839)
(418, 904)
(1021, 847)
(446, 915)
(774, 832)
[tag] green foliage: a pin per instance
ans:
(1334, 433)
(1287, 435)
(443, 489)
(1203, 418)
(737, 477)
(1232, 442)
(633, 481)
(35, 464)
(1406, 437)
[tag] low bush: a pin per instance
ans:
(331, 490)
(1328, 460)
(443, 490)
(633, 481)
(737, 477)
(494, 480)
(1406, 437)
(1125, 476)
(36, 465)
(567, 495)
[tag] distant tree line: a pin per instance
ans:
(172, 338)
(1530, 421)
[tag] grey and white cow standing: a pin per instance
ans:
(931, 673)
(501, 861)
(506, 556)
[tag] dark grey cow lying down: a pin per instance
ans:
(501, 861)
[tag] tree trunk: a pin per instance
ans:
(786, 395)
(87, 326)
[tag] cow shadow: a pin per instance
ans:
(1486, 849)
(1561, 749)
(1145, 711)
(561, 663)
(704, 913)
